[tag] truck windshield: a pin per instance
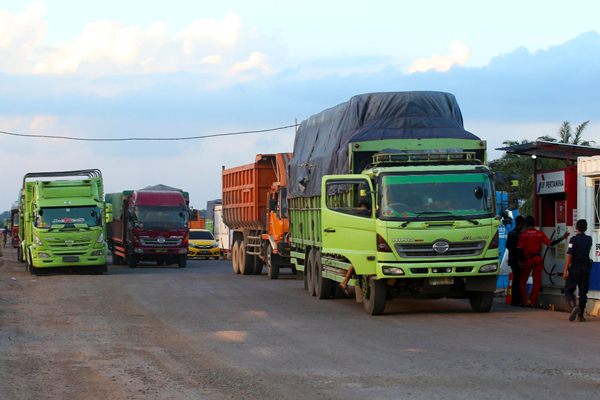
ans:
(160, 217)
(201, 235)
(81, 215)
(437, 197)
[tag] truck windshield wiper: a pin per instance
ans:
(421, 213)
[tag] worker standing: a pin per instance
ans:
(577, 270)
(530, 242)
(514, 259)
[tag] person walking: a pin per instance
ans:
(514, 259)
(5, 233)
(530, 242)
(577, 270)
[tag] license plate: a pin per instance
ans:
(161, 250)
(441, 281)
(70, 259)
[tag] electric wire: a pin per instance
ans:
(146, 139)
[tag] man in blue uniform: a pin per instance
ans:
(514, 259)
(577, 270)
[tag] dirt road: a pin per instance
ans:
(203, 333)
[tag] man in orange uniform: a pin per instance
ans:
(530, 242)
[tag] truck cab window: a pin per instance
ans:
(348, 197)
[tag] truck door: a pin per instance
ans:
(348, 220)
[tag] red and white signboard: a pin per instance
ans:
(550, 182)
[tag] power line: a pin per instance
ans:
(146, 139)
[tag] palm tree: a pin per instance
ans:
(567, 135)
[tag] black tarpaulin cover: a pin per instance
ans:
(321, 143)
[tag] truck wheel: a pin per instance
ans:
(245, 260)
(310, 270)
(19, 256)
(374, 295)
(132, 261)
(182, 262)
(116, 260)
(29, 265)
(481, 301)
(258, 265)
(103, 269)
(235, 257)
(272, 266)
(322, 284)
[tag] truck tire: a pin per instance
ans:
(481, 301)
(235, 249)
(29, 265)
(246, 264)
(19, 255)
(322, 284)
(182, 261)
(116, 260)
(374, 295)
(258, 265)
(101, 270)
(309, 269)
(132, 261)
(272, 266)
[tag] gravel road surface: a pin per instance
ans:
(204, 333)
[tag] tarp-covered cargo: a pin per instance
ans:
(321, 143)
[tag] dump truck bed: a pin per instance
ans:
(245, 190)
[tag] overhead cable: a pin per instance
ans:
(146, 139)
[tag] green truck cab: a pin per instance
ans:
(409, 211)
(63, 221)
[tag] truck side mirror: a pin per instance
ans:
(108, 213)
(272, 204)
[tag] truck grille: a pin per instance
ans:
(62, 244)
(160, 241)
(426, 250)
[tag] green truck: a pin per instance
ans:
(391, 193)
(62, 221)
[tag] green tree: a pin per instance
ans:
(521, 168)
(567, 135)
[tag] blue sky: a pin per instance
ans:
(151, 68)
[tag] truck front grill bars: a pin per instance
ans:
(426, 250)
(164, 242)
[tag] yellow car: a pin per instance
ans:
(203, 245)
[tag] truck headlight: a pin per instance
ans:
(42, 254)
(100, 238)
(489, 268)
(97, 253)
(215, 244)
(392, 271)
(37, 240)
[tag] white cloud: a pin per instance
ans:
(211, 46)
(459, 55)
(256, 62)
(21, 38)
(105, 42)
(213, 59)
(202, 32)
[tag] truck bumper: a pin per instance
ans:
(67, 260)
(159, 253)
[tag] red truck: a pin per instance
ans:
(255, 210)
(148, 225)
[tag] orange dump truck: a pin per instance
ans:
(255, 210)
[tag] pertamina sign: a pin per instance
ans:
(550, 182)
